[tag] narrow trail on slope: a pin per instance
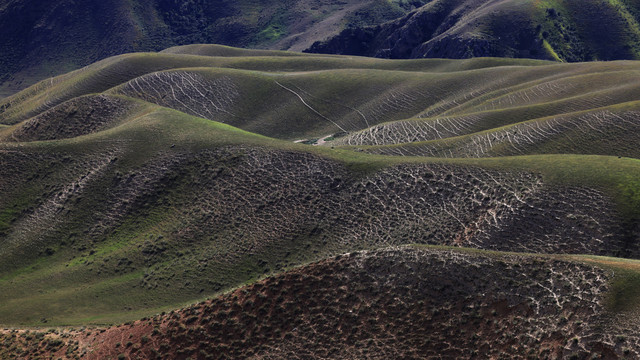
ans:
(336, 103)
(308, 106)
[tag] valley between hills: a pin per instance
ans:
(209, 202)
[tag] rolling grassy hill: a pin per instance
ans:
(149, 181)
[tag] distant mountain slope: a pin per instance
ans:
(45, 38)
(478, 107)
(568, 30)
(41, 39)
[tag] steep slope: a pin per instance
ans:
(409, 302)
(573, 30)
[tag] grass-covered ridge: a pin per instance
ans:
(148, 181)
(325, 95)
(85, 32)
(142, 238)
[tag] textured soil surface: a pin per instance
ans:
(146, 182)
(79, 116)
(570, 30)
(397, 303)
(240, 191)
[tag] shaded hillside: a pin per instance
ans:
(573, 30)
(409, 302)
(43, 38)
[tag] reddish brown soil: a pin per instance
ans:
(396, 303)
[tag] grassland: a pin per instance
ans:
(42, 40)
(146, 182)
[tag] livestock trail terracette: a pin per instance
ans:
(230, 203)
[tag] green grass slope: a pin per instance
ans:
(609, 130)
(111, 72)
(78, 116)
(166, 208)
(312, 96)
(147, 181)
